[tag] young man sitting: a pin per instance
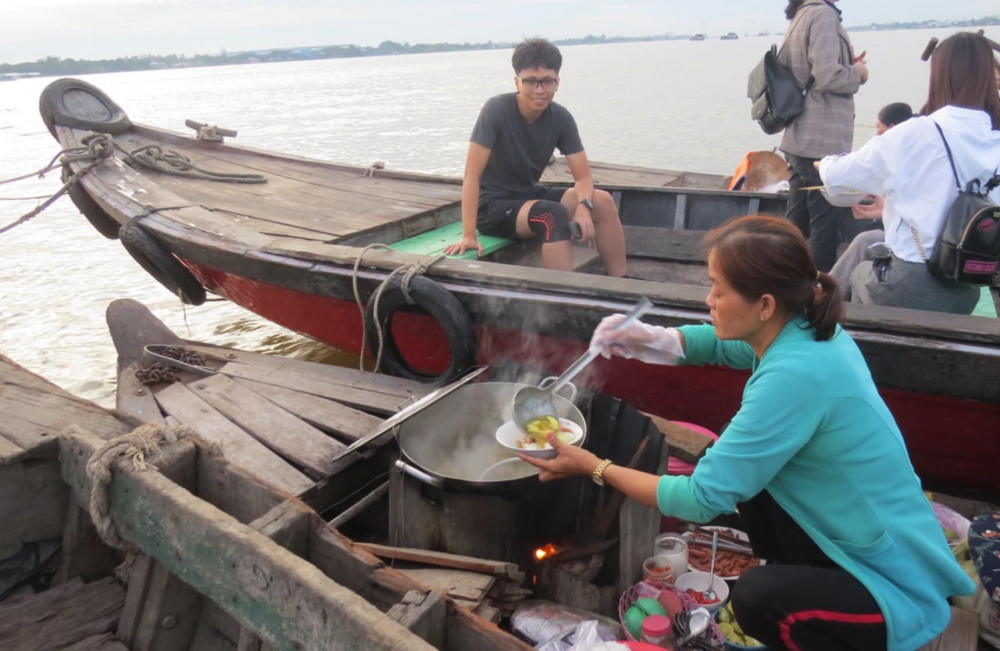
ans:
(512, 142)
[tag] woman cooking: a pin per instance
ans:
(813, 460)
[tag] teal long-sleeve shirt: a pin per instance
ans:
(813, 431)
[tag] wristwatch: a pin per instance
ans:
(588, 203)
(598, 474)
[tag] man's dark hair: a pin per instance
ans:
(536, 53)
(894, 114)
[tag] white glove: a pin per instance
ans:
(646, 343)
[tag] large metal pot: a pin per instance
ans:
(451, 443)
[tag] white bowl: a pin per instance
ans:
(509, 433)
(845, 200)
(698, 581)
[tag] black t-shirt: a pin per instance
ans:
(519, 152)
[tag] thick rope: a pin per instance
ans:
(408, 272)
(136, 445)
(176, 164)
(96, 147)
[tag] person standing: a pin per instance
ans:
(817, 48)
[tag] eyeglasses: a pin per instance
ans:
(531, 83)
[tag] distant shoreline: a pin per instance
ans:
(56, 66)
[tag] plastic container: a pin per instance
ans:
(673, 549)
(656, 630)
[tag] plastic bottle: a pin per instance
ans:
(656, 630)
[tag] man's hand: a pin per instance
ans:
(570, 461)
(583, 218)
(861, 58)
(467, 244)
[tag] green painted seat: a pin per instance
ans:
(986, 306)
(433, 242)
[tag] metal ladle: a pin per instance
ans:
(531, 403)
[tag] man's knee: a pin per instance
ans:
(604, 205)
(550, 220)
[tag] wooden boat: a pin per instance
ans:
(231, 549)
(287, 249)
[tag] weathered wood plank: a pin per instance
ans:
(424, 613)
(458, 584)
(364, 574)
(64, 615)
(103, 642)
(35, 411)
(235, 491)
(10, 452)
(334, 374)
(84, 555)
(134, 398)
(33, 504)
(359, 396)
(282, 598)
(440, 559)
(166, 617)
(319, 412)
(270, 424)
(237, 445)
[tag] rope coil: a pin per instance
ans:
(408, 272)
(141, 442)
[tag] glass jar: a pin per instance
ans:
(657, 571)
(656, 630)
(674, 549)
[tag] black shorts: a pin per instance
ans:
(498, 218)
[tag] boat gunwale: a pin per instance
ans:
(304, 255)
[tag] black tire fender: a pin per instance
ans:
(442, 305)
(104, 223)
(160, 263)
(78, 105)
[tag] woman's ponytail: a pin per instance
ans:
(827, 309)
(793, 8)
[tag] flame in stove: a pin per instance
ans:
(542, 552)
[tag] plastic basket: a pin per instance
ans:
(641, 590)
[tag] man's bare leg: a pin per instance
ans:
(556, 255)
(608, 233)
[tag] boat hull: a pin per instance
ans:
(951, 441)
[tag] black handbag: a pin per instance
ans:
(968, 248)
(777, 96)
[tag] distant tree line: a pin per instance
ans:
(55, 66)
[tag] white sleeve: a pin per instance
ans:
(870, 169)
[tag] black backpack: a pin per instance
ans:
(968, 248)
(777, 97)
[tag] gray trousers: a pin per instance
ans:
(856, 253)
(910, 285)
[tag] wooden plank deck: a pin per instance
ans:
(68, 616)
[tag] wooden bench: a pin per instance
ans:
(433, 243)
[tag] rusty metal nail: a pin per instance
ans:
(169, 621)
(140, 392)
(231, 355)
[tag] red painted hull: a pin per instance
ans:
(951, 441)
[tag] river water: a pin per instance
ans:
(674, 104)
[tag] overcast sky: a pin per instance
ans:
(94, 29)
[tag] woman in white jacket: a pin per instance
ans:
(909, 165)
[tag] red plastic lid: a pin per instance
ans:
(677, 467)
(656, 626)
